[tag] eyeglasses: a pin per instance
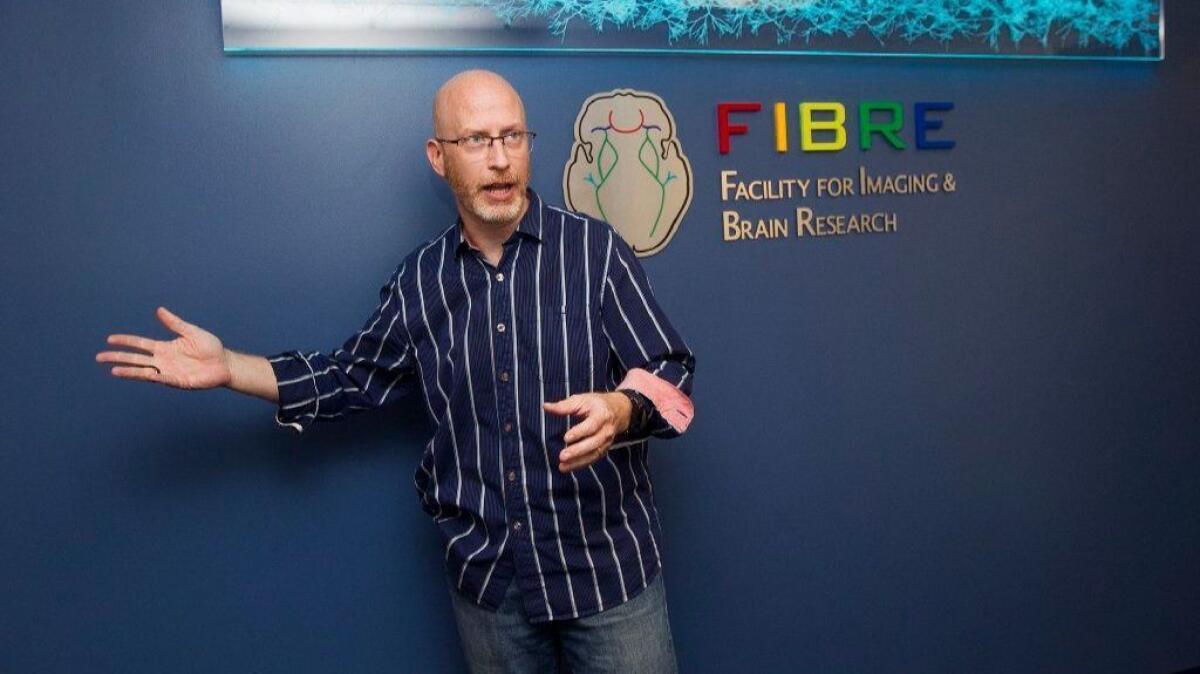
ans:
(477, 143)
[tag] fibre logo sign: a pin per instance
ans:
(627, 168)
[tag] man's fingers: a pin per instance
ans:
(583, 429)
(585, 441)
(576, 465)
(585, 446)
(174, 323)
(142, 373)
(125, 358)
(588, 458)
(134, 342)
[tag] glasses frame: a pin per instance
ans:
(526, 136)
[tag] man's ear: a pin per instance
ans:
(433, 152)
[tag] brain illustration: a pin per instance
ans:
(627, 168)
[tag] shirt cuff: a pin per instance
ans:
(299, 397)
(672, 405)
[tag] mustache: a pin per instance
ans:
(502, 179)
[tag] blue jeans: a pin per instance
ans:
(631, 638)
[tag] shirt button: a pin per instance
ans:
(516, 526)
(512, 476)
(499, 327)
(508, 427)
(504, 375)
(500, 277)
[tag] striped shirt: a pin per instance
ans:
(567, 310)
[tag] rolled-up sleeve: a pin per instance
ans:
(657, 361)
(373, 367)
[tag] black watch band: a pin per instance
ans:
(639, 413)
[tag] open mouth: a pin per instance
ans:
(499, 190)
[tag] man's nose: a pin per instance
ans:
(497, 156)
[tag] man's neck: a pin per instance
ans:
(489, 239)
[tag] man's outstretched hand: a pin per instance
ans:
(603, 417)
(193, 360)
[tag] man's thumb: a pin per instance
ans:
(173, 322)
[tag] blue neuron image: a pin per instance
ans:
(1124, 29)
(1113, 23)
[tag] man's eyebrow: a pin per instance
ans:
(469, 131)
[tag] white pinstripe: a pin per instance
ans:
(319, 398)
(537, 303)
(378, 353)
(587, 293)
(475, 419)
(512, 305)
(437, 376)
(488, 578)
(645, 304)
(628, 325)
(369, 328)
(416, 349)
(645, 453)
(645, 356)
(562, 273)
(499, 438)
(475, 416)
(625, 518)
(645, 513)
(424, 387)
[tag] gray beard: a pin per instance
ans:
(497, 215)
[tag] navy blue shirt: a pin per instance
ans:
(567, 310)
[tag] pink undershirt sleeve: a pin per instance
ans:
(672, 404)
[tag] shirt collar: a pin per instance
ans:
(529, 227)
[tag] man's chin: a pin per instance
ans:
(501, 214)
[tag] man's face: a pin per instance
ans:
(489, 184)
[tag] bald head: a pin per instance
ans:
(463, 99)
(489, 182)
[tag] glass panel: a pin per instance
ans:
(1091, 29)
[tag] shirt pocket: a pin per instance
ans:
(567, 368)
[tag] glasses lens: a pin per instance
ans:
(518, 140)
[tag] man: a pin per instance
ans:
(532, 334)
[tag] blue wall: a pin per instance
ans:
(968, 446)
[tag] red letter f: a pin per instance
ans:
(725, 129)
